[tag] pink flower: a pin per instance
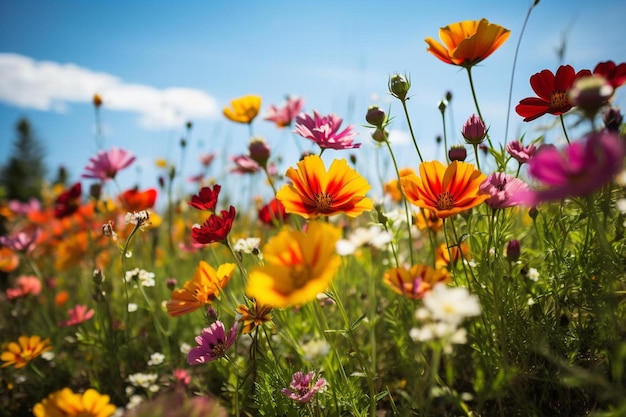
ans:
(579, 170)
(212, 343)
(206, 159)
(78, 314)
(26, 285)
(30, 206)
(244, 165)
(105, 165)
(182, 376)
(474, 130)
(504, 190)
(325, 131)
(519, 152)
(21, 241)
(303, 387)
(284, 116)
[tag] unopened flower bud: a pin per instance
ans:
(259, 151)
(183, 143)
(612, 119)
(97, 100)
(474, 130)
(533, 212)
(189, 125)
(95, 190)
(513, 250)
(438, 139)
(590, 94)
(380, 135)
(171, 283)
(211, 312)
(448, 96)
(375, 116)
(457, 153)
(352, 159)
(399, 86)
(443, 104)
(161, 181)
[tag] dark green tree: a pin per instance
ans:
(23, 175)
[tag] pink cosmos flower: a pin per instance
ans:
(26, 285)
(105, 165)
(21, 242)
(324, 130)
(206, 159)
(244, 165)
(30, 206)
(78, 314)
(212, 343)
(504, 190)
(284, 116)
(182, 376)
(519, 152)
(579, 170)
(303, 387)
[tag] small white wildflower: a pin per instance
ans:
(130, 390)
(134, 401)
(153, 388)
(422, 314)
(132, 307)
(470, 263)
(621, 205)
(49, 355)
(141, 218)
(395, 217)
(451, 305)
(492, 252)
(533, 274)
(249, 245)
(315, 348)
(142, 380)
(156, 359)
(129, 254)
(620, 179)
(119, 412)
(185, 348)
(531, 301)
(374, 236)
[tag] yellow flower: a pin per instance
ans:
(415, 282)
(468, 42)
(161, 163)
(426, 219)
(66, 403)
(243, 109)
(298, 266)
(202, 289)
(25, 350)
(315, 192)
(442, 254)
(445, 190)
(253, 316)
(392, 187)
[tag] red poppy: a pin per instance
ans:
(552, 91)
(614, 74)
(215, 229)
(273, 212)
(68, 202)
(135, 200)
(206, 198)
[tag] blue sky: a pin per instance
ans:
(164, 62)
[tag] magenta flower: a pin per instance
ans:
(21, 241)
(284, 116)
(105, 165)
(579, 170)
(244, 165)
(303, 387)
(474, 130)
(519, 152)
(504, 190)
(78, 314)
(325, 131)
(212, 343)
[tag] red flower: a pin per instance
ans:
(614, 74)
(552, 91)
(215, 229)
(68, 202)
(273, 212)
(135, 200)
(206, 198)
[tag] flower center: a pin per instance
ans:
(445, 201)
(323, 201)
(299, 276)
(219, 349)
(558, 100)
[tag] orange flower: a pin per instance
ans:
(445, 190)
(243, 109)
(415, 282)
(468, 42)
(202, 289)
(253, 316)
(67, 403)
(298, 266)
(393, 189)
(61, 298)
(442, 255)
(315, 192)
(426, 219)
(135, 200)
(25, 350)
(9, 260)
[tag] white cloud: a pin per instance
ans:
(399, 137)
(51, 86)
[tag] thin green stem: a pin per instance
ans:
(445, 135)
(564, 129)
(408, 120)
(471, 82)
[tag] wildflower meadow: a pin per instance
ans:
(487, 282)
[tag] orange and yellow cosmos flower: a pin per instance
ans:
(445, 190)
(426, 219)
(442, 254)
(243, 109)
(25, 350)
(392, 188)
(468, 42)
(202, 289)
(315, 192)
(253, 316)
(67, 403)
(415, 282)
(298, 266)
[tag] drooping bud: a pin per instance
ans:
(457, 153)
(375, 116)
(399, 86)
(259, 151)
(474, 130)
(513, 250)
